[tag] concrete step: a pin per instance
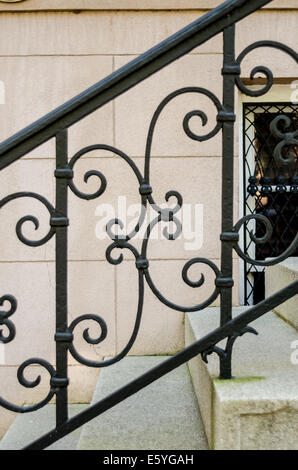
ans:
(163, 416)
(279, 276)
(258, 409)
(27, 427)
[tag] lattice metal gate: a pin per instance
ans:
(270, 186)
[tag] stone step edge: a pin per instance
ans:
(249, 394)
(277, 277)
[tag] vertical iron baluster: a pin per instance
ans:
(60, 221)
(229, 71)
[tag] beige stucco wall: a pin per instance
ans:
(95, 5)
(46, 57)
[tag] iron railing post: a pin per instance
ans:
(230, 69)
(60, 222)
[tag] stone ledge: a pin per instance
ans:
(258, 409)
(35, 5)
(280, 276)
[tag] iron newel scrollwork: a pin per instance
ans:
(55, 124)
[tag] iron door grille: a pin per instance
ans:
(270, 187)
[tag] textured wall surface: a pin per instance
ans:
(27, 5)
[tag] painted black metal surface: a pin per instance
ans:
(222, 19)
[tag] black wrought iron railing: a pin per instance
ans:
(56, 123)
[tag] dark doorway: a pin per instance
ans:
(270, 185)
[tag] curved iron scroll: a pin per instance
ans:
(30, 218)
(287, 139)
(4, 315)
(164, 214)
(31, 384)
(58, 220)
(261, 68)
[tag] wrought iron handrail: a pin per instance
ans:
(55, 125)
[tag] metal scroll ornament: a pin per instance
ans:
(122, 242)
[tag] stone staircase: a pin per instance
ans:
(190, 408)
(258, 409)
(28, 427)
(163, 416)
